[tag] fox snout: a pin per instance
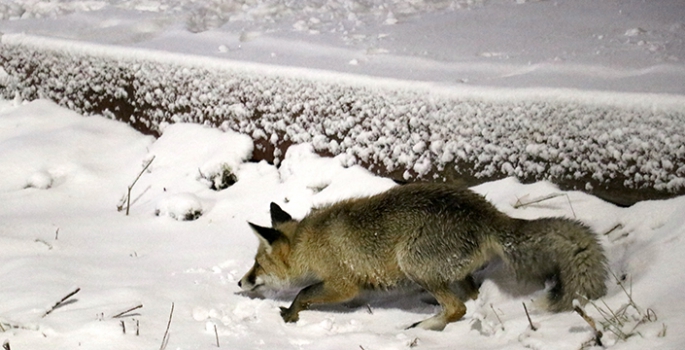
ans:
(249, 281)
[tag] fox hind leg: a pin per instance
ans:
(453, 308)
(469, 287)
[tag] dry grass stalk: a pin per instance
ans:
(165, 338)
(532, 326)
(123, 313)
(597, 333)
(497, 315)
(623, 322)
(520, 204)
(61, 302)
(128, 195)
(216, 335)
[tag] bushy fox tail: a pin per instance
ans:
(561, 250)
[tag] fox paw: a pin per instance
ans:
(431, 324)
(289, 315)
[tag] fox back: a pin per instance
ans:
(374, 240)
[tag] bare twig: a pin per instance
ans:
(123, 326)
(165, 339)
(123, 313)
(216, 334)
(662, 333)
(368, 308)
(128, 196)
(629, 294)
(597, 333)
(61, 302)
(497, 315)
(529, 320)
(616, 227)
(520, 204)
(414, 343)
(570, 205)
(38, 240)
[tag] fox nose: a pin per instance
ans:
(240, 284)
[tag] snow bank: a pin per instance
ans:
(60, 168)
(630, 146)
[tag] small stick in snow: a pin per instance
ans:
(629, 294)
(61, 302)
(616, 227)
(128, 196)
(38, 240)
(529, 320)
(598, 334)
(123, 326)
(57, 234)
(165, 339)
(368, 308)
(570, 205)
(216, 334)
(123, 313)
(662, 333)
(520, 204)
(497, 315)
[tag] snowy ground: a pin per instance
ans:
(64, 177)
(60, 230)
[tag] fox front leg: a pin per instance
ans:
(318, 293)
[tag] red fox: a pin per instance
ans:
(428, 234)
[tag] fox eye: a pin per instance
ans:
(260, 262)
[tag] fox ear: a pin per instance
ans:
(278, 215)
(268, 234)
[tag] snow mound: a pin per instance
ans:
(180, 206)
(190, 158)
(40, 179)
(313, 181)
(38, 129)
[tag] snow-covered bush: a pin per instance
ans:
(180, 206)
(219, 177)
(578, 141)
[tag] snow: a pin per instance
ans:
(616, 45)
(593, 88)
(70, 235)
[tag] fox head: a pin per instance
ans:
(271, 268)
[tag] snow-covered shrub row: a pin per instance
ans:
(408, 132)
